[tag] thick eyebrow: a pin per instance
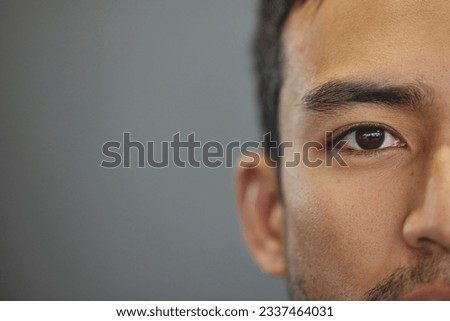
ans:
(332, 96)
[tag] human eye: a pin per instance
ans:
(366, 138)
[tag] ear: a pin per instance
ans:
(261, 213)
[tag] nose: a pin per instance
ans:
(428, 227)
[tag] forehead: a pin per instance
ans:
(355, 38)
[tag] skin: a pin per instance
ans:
(339, 232)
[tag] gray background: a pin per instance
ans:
(75, 74)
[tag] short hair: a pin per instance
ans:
(267, 55)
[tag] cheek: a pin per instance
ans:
(344, 228)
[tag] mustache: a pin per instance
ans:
(405, 279)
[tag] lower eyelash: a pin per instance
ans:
(358, 153)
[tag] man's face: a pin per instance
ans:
(387, 214)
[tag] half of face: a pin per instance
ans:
(372, 78)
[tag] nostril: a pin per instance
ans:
(424, 239)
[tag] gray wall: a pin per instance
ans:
(75, 74)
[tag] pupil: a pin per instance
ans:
(369, 138)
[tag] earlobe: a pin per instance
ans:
(261, 215)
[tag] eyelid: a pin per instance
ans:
(345, 130)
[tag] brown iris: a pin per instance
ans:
(369, 138)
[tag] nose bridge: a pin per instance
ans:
(429, 225)
(437, 196)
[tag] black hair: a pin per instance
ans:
(267, 55)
